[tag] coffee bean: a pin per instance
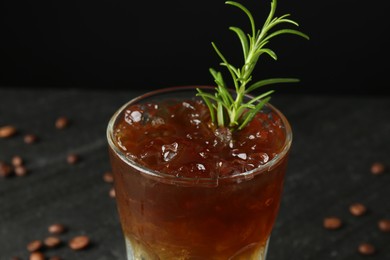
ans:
(384, 225)
(377, 168)
(79, 242)
(34, 245)
(7, 131)
(56, 229)
(37, 256)
(52, 242)
(332, 223)
(108, 177)
(20, 171)
(357, 209)
(72, 158)
(30, 138)
(5, 169)
(366, 249)
(55, 258)
(61, 122)
(17, 161)
(112, 193)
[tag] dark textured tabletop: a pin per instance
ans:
(336, 141)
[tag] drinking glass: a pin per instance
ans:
(223, 217)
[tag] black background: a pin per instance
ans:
(153, 44)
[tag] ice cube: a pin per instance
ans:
(195, 121)
(169, 151)
(200, 167)
(156, 121)
(240, 155)
(133, 116)
(188, 105)
(259, 158)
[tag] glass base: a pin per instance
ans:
(137, 251)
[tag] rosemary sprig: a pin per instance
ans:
(234, 113)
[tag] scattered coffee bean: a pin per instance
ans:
(357, 209)
(79, 242)
(377, 168)
(108, 177)
(30, 138)
(37, 256)
(332, 223)
(17, 161)
(34, 245)
(52, 242)
(384, 225)
(56, 229)
(62, 122)
(7, 131)
(366, 249)
(55, 258)
(20, 171)
(5, 169)
(112, 193)
(72, 158)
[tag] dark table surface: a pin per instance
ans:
(336, 140)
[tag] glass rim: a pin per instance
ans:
(208, 181)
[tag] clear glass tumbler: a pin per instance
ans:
(227, 217)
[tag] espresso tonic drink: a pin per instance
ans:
(187, 189)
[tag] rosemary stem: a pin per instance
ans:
(234, 113)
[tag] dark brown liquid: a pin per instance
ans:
(174, 218)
